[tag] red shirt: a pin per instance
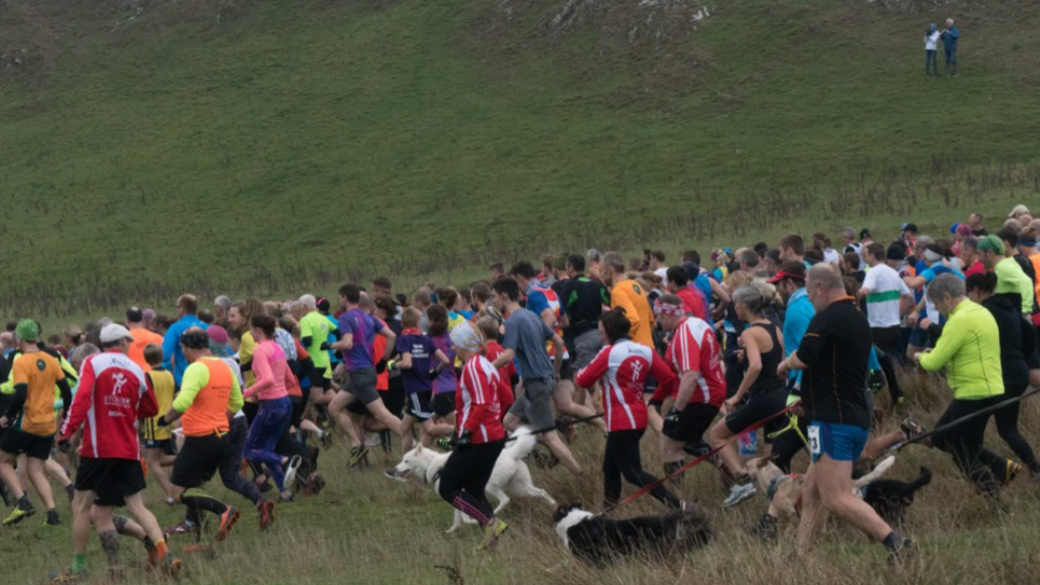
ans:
(113, 393)
(976, 268)
(693, 348)
(693, 303)
(477, 408)
(505, 375)
(622, 369)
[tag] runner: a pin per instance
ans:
(357, 330)
(157, 438)
(173, 358)
(625, 293)
(113, 394)
(314, 335)
(622, 368)
(762, 392)
(30, 423)
(274, 416)
(834, 397)
(142, 337)
(209, 391)
(693, 399)
(524, 340)
(442, 403)
(888, 298)
(970, 350)
(481, 436)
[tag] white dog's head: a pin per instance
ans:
(417, 462)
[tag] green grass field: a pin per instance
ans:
(368, 530)
(254, 147)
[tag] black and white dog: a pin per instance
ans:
(890, 497)
(597, 539)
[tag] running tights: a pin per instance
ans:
(271, 422)
(621, 459)
(985, 469)
(465, 476)
(231, 464)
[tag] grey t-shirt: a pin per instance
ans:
(526, 335)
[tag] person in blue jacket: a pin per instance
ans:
(950, 37)
(173, 356)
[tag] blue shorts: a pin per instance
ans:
(838, 442)
(919, 338)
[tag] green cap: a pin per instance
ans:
(990, 243)
(27, 331)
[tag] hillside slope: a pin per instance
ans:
(151, 146)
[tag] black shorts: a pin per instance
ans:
(17, 442)
(111, 480)
(694, 421)
(393, 397)
(443, 404)
(757, 408)
(318, 380)
(418, 406)
(198, 460)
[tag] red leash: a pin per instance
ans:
(647, 489)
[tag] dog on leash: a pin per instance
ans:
(891, 497)
(785, 491)
(596, 539)
(510, 476)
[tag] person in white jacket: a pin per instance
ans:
(931, 56)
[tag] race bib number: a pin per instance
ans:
(814, 440)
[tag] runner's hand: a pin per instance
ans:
(465, 438)
(4, 422)
(380, 366)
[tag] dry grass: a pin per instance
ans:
(366, 530)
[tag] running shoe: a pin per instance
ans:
(912, 430)
(491, 534)
(68, 576)
(326, 440)
(356, 455)
(17, 515)
(290, 471)
(372, 440)
(266, 514)
(902, 553)
(392, 474)
(764, 529)
(180, 529)
(227, 520)
(52, 518)
(446, 443)
(739, 493)
(1013, 469)
(315, 483)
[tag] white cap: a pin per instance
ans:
(114, 332)
(1019, 210)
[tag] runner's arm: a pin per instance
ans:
(149, 405)
(391, 342)
(81, 403)
(687, 383)
(504, 358)
(345, 343)
(590, 374)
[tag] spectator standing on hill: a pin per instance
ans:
(931, 55)
(950, 37)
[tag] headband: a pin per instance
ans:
(463, 336)
(1026, 242)
(661, 308)
(932, 256)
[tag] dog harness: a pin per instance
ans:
(776, 482)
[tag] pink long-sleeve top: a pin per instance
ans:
(272, 372)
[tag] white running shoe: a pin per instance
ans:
(290, 471)
(739, 493)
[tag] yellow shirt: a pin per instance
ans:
(630, 296)
(245, 356)
(39, 371)
(163, 385)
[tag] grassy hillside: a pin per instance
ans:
(255, 146)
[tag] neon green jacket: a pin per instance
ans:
(969, 348)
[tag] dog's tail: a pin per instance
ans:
(922, 480)
(876, 474)
(523, 445)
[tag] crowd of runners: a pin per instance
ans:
(797, 338)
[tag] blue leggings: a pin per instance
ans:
(271, 422)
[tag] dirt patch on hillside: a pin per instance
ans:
(630, 51)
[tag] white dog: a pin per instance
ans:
(510, 474)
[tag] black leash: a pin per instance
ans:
(558, 426)
(965, 418)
